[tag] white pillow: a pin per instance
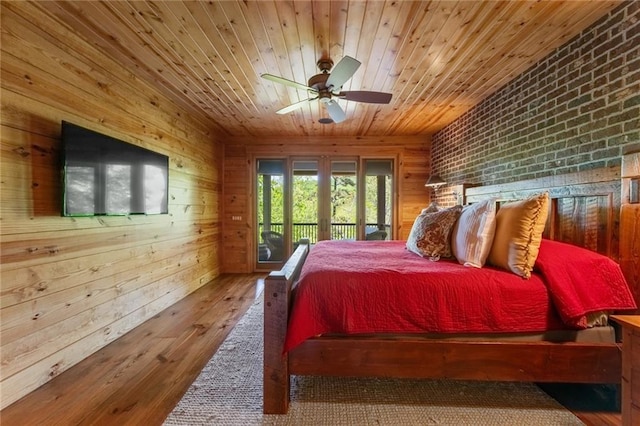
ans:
(473, 234)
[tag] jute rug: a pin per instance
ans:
(229, 392)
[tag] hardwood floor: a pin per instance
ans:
(140, 377)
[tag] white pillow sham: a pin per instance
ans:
(473, 233)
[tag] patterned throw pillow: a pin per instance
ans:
(432, 208)
(430, 235)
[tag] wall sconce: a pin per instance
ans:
(435, 182)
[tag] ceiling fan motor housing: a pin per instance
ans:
(319, 83)
(325, 65)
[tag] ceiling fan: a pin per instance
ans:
(327, 87)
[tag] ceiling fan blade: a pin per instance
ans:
(366, 96)
(335, 111)
(294, 106)
(286, 82)
(342, 72)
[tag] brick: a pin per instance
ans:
(570, 152)
(614, 162)
(593, 105)
(632, 125)
(626, 115)
(578, 159)
(606, 153)
(591, 146)
(632, 101)
(592, 126)
(592, 165)
(633, 78)
(580, 140)
(607, 112)
(568, 96)
(608, 45)
(619, 140)
(555, 129)
(579, 100)
(535, 168)
(544, 158)
(555, 164)
(607, 132)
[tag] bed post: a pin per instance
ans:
(277, 291)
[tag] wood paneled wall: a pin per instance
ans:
(412, 154)
(72, 285)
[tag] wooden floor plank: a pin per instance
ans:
(140, 377)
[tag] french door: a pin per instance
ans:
(324, 199)
(320, 198)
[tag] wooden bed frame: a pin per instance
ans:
(585, 211)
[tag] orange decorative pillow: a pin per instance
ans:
(519, 228)
(430, 235)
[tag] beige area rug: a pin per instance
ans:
(229, 392)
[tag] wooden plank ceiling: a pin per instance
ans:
(437, 58)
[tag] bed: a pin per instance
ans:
(583, 211)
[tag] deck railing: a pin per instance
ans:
(339, 231)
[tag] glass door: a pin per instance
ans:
(378, 205)
(270, 209)
(320, 198)
(324, 199)
(343, 190)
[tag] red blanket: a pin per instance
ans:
(380, 287)
(581, 281)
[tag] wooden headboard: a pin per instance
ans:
(585, 206)
(585, 210)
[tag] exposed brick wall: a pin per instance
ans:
(574, 110)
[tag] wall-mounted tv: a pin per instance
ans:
(106, 176)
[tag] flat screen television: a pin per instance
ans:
(106, 176)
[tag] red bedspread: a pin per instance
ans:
(581, 281)
(380, 287)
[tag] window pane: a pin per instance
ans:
(305, 200)
(343, 200)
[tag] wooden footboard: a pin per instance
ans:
(277, 293)
(415, 357)
(465, 360)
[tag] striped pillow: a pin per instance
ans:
(473, 233)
